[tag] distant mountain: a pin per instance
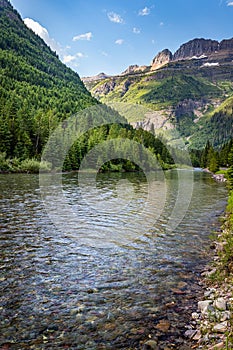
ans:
(184, 88)
(206, 48)
(196, 48)
(36, 91)
(100, 76)
(161, 59)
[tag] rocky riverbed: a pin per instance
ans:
(211, 326)
(206, 307)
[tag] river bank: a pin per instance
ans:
(211, 325)
(209, 303)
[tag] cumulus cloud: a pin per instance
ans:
(144, 12)
(71, 58)
(114, 17)
(43, 33)
(136, 30)
(87, 36)
(119, 41)
(68, 58)
(230, 3)
(65, 57)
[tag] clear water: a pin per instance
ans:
(98, 281)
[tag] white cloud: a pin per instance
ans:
(144, 12)
(70, 58)
(65, 57)
(87, 36)
(80, 55)
(43, 33)
(136, 30)
(103, 53)
(119, 41)
(114, 17)
(230, 3)
(161, 24)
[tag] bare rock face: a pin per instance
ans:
(105, 88)
(134, 69)
(196, 48)
(226, 44)
(161, 59)
(130, 69)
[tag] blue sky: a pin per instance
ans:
(93, 36)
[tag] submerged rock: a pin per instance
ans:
(151, 344)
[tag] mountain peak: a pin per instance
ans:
(161, 59)
(134, 68)
(196, 48)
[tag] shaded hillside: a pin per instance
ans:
(217, 127)
(36, 89)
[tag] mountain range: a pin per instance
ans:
(190, 90)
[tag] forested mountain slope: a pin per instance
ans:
(36, 89)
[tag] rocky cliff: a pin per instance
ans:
(226, 44)
(196, 48)
(210, 50)
(134, 69)
(161, 59)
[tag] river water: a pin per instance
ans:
(105, 279)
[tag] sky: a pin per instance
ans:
(93, 36)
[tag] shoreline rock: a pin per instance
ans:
(216, 177)
(211, 326)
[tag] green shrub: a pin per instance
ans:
(4, 163)
(45, 167)
(30, 166)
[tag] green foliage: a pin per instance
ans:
(179, 87)
(125, 142)
(214, 158)
(226, 253)
(36, 89)
(34, 166)
(4, 163)
(16, 165)
(217, 128)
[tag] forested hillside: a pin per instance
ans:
(36, 89)
(217, 126)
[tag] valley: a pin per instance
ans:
(188, 91)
